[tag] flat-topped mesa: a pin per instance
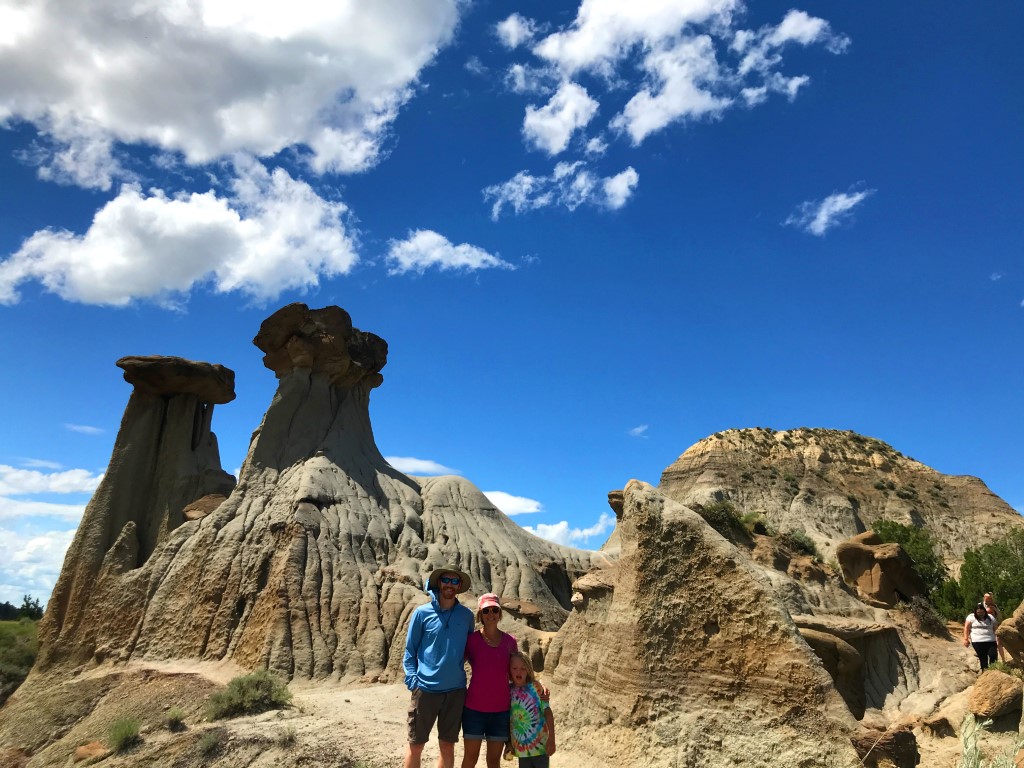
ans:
(321, 341)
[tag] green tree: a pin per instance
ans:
(920, 547)
(998, 568)
(30, 608)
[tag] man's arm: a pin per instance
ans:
(412, 647)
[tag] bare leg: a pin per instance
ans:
(472, 752)
(494, 750)
(412, 756)
(447, 757)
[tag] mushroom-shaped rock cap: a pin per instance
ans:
(322, 341)
(163, 376)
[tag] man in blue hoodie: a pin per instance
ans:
(434, 672)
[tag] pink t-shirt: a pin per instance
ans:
(489, 686)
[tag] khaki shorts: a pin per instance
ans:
(425, 708)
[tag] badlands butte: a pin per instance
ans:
(672, 645)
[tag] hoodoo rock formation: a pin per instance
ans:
(671, 646)
(313, 562)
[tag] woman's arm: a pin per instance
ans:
(967, 633)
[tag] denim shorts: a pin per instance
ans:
(492, 726)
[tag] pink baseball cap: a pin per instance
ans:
(487, 600)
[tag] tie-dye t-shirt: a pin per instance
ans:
(527, 721)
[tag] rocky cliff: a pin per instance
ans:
(834, 484)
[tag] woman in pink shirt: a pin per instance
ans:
(485, 717)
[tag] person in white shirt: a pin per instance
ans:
(980, 632)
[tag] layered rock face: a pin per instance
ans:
(313, 563)
(833, 485)
(682, 653)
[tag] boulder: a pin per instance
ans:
(883, 574)
(1011, 634)
(652, 671)
(995, 693)
(893, 747)
(94, 750)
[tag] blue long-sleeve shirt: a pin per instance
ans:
(435, 647)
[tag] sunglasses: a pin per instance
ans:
(490, 609)
(453, 580)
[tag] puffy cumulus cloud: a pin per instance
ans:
(424, 249)
(639, 431)
(687, 74)
(816, 217)
(16, 482)
(549, 128)
(32, 564)
(515, 30)
(561, 533)
(604, 32)
(760, 49)
(682, 61)
(520, 78)
(209, 79)
(570, 185)
(414, 466)
(513, 505)
(273, 233)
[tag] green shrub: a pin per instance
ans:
(970, 755)
(175, 719)
(754, 522)
(18, 647)
(1002, 666)
(123, 734)
(798, 541)
(723, 517)
(925, 616)
(248, 695)
(211, 742)
(286, 737)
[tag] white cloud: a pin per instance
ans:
(570, 185)
(533, 80)
(605, 31)
(639, 431)
(513, 505)
(22, 510)
(561, 533)
(15, 482)
(424, 249)
(596, 147)
(687, 74)
(474, 66)
(515, 30)
(84, 429)
(274, 233)
(210, 79)
(996, 276)
(818, 216)
(414, 466)
(619, 188)
(41, 464)
(31, 564)
(549, 128)
(681, 60)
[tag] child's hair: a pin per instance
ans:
(531, 676)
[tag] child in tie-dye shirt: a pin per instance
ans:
(532, 723)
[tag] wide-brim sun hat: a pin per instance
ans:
(464, 580)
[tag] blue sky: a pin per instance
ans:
(591, 232)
